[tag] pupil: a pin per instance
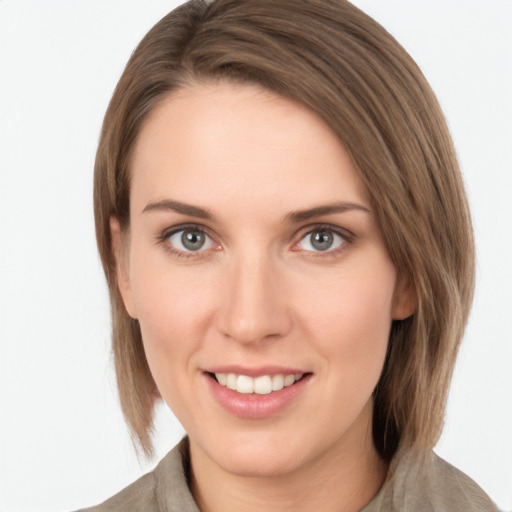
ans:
(192, 240)
(321, 240)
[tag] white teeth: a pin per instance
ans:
(231, 379)
(262, 385)
(222, 378)
(289, 380)
(244, 384)
(277, 382)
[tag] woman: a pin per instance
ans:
(289, 253)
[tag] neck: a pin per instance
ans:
(340, 480)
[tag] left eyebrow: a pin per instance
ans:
(318, 211)
(176, 206)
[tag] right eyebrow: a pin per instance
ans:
(318, 211)
(178, 207)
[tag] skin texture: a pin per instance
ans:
(259, 294)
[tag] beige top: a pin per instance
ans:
(414, 484)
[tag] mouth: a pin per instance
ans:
(257, 393)
(261, 385)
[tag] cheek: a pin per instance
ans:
(169, 298)
(349, 317)
(350, 326)
(172, 307)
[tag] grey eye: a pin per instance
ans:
(321, 240)
(190, 240)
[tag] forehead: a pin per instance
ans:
(239, 142)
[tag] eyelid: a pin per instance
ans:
(348, 237)
(171, 230)
(164, 236)
(345, 233)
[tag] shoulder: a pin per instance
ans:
(455, 490)
(424, 482)
(163, 489)
(139, 496)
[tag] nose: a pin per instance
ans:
(253, 302)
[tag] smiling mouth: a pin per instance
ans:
(262, 385)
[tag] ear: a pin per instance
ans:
(119, 250)
(405, 300)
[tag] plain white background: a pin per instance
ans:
(63, 444)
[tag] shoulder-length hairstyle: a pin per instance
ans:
(331, 57)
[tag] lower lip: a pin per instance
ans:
(254, 406)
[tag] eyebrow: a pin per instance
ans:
(176, 206)
(318, 211)
(292, 217)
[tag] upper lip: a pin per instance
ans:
(255, 371)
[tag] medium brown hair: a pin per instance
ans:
(333, 58)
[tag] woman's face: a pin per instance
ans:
(260, 279)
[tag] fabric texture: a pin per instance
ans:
(415, 483)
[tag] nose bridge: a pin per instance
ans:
(252, 307)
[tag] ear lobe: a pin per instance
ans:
(405, 300)
(122, 272)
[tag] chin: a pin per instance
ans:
(257, 462)
(257, 454)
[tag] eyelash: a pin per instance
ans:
(164, 237)
(347, 239)
(346, 236)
